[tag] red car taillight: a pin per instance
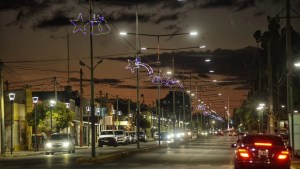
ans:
(283, 155)
(243, 153)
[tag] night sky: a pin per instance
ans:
(35, 34)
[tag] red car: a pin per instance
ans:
(261, 152)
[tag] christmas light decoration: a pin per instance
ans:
(79, 24)
(132, 65)
(99, 21)
(99, 25)
(165, 80)
(201, 107)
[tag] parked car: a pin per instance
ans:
(120, 137)
(60, 142)
(107, 137)
(142, 136)
(261, 151)
(129, 138)
(133, 136)
(155, 135)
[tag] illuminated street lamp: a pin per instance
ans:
(67, 105)
(11, 99)
(118, 121)
(261, 108)
(52, 105)
(35, 101)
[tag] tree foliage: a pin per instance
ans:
(61, 116)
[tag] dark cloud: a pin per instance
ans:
(141, 87)
(39, 8)
(173, 27)
(59, 19)
(99, 81)
(239, 64)
(171, 17)
(17, 4)
(236, 5)
(129, 17)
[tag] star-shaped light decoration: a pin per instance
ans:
(79, 24)
(131, 65)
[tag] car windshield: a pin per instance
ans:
(252, 139)
(107, 132)
(119, 132)
(58, 137)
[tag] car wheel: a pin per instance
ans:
(73, 151)
(47, 153)
(116, 145)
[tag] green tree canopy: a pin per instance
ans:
(61, 116)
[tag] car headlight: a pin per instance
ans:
(66, 144)
(48, 144)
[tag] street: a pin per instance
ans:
(205, 153)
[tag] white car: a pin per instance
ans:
(112, 138)
(60, 142)
(120, 136)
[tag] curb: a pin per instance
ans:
(117, 155)
(20, 154)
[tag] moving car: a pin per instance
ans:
(261, 151)
(60, 142)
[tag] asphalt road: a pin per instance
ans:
(205, 153)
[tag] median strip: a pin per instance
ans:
(117, 155)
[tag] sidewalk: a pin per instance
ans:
(30, 152)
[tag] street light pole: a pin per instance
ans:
(92, 86)
(2, 110)
(11, 98)
(52, 104)
(88, 110)
(35, 100)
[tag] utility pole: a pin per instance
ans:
(2, 111)
(55, 88)
(137, 48)
(270, 123)
(191, 113)
(183, 106)
(290, 102)
(174, 113)
(81, 111)
(129, 114)
(117, 112)
(228, 112)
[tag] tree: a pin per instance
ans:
(61, 116)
